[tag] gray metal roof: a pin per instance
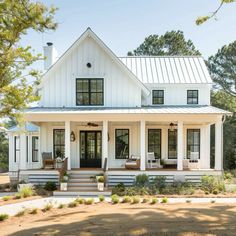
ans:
(29, 127)
(198, 109)
(169, 69)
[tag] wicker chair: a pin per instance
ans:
(48, 161)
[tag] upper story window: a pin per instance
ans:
(192, 96)
(89, 92)
(157, 97)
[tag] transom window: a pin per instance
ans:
(154, 142)
(35, 148)
(59, 143)
(122, 143)
(192, 96)
(172, 144)
(193, 142)
(157, 96)
(89, 92)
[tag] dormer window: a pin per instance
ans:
(157, 97)
(192, 97)
(89, 92)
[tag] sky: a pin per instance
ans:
(124, 24)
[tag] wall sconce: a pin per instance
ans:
(172, 126)
(72, 136)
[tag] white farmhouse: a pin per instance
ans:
(119, 115)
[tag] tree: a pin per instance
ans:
(16, 18)
(171, 43)
(201, 19)
(222, 68)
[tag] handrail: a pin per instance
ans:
(63, 168)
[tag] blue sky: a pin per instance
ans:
(123, 24)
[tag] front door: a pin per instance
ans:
(90, 149)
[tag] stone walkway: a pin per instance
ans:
(12, 209)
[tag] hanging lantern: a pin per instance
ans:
(72, 136)
(172, 126)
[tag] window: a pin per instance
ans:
(35, 148)
(89, 92)
(27, 148)
(154, 142)
(192, 96)
(17, 148)
(58, 143)
(193, 141)
(122, 143)
(172, 144)
(157, 96)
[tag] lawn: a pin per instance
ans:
(127, 219)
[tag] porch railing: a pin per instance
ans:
(63, 168)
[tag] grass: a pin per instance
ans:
(17, 196)
(4, 217)
(61, 206)
(89, 201)
(6, 198)
(33, 211)
(135, 200)
(126, 199)
(115, 199)
(101, 198)
(26, 191)
(145, 200)
(48, 207)
(21, 213)
(154, 201)
(80, 200)
(164, 200)
(72, 204)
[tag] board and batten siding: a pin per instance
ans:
(58, 88)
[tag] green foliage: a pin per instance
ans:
(27, 191)
(141, 180)
(4, 217)
(119, 189)
(50, 186)
(48, 207)
(212, 184)
(135, 200)
(171, 43)
(145, 200)
(101, 179)
(33, 211)
(164, 200)
(72, 204)
(3, 151)
(89, 201)
(159, 183)
(188, 201)
(21, 213)
(115, 199)
(154, 201)
(17, 18)
(17, 196)
(126, 199)
(228, 177)
(6, 198)
(101, 198)
(61, 206)
(80, 200)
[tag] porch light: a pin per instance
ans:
(172, 126)
(72, 136)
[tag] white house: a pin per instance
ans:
(98, 110)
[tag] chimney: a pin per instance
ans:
(50, 53)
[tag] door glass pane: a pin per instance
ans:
(172, 144)
(154, 142)
(122, 143)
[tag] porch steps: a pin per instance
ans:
(42, 179)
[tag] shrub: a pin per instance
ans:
(48, 207)
(72, 204)
(20, 213)
(164, 200)
(119, 189)
(188, 201)
(61, 206)
(210, 183)
(6, 198)
(50, 186)
(101, 198)
(141, 180)
(89, 201)
(27, 191)
(135, 200)
(228, 177)
(145, 200)
(17, 196)
(213, 201)
(34, 211)
(215, 192)
(154, 201)
(101, 179)
(126, 199)
(131, 191)
(159, 183)
(80, 200)
(115, 199)
(4, 217)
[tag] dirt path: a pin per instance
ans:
(4, 178)
(125, 219)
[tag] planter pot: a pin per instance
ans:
(100, 186)
(63, 186)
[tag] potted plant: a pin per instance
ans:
(63, 183)
(100, 183)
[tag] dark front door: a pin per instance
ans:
(90, 149)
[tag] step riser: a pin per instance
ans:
(81, 185)
(81, 194)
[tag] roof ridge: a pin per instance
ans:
(169, 56)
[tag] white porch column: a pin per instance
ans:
(218, 145)
(22, 159)
(142, 144)
(68, 144)
(104, 142)
(180, 146)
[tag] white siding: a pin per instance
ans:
(58, 88)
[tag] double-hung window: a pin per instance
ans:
(157, 97)
(193, 142)
(192, 96)
(154, 142)
(35, 148)
(89, 92)
(122, 143)
(58, 143)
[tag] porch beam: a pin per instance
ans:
(68, 143)
(180, 146)
(105, 142)
(142, 145)
(218, 145)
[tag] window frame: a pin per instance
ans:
(158, 97)
(192, 97)
(199, 141)
(27, 148)
(176, 131)
(154, 145)
(122, 158)
(89, 91)
(34, 149)
(56, 145)
(16, 149)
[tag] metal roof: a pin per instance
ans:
(198, 109)
(169, 69)
(29, 127)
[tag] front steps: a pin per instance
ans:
(81, 184)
